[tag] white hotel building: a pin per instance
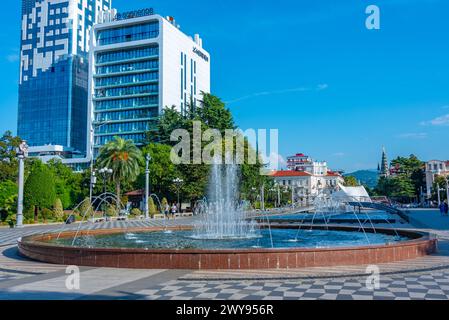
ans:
(141, 62)
(307, 178)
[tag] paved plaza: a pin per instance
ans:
(422, 278)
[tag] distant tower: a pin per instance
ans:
(384, 169)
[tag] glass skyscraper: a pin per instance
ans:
(54, 70)
(139, 65)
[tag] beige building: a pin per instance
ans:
(435, 168)
(306, 186)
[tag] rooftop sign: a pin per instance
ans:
(201, 54)
(134, 14)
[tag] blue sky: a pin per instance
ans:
(334, 89)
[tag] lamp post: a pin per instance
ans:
(22, 153)
(178, 182)
(262, 197)
(93, 179)
(147, 185)
(105, 172)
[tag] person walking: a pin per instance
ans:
(445, 208)
(167, 210)
(441, 206)
(174, 209)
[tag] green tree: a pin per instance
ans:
(8, 198)
(8, 156)
(162, 169)
(68, 184)
(39, 189)
(169, 121)
(124, 158)
(412, 169)
(214, 114)
(351, 181)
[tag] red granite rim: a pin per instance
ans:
(416, 237)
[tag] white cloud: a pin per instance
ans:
(414, 135)
(319, 87)
(12, 57)
(275, 161)
(438, 121)
(339, 154)
(323, 86)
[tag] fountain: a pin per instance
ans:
(222, 217)
(223, 238)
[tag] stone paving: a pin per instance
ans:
(424, 278)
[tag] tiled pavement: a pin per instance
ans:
(101, 283)
(421, 286)
(24, 279)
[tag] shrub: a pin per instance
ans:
(111, 211)
(46, 214)
(58, 210)
(136, 212)
(86, 208)
(151, 207)
(164, 203)
(39, 190)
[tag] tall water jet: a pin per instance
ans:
(223, 217)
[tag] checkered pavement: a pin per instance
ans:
(422, 286)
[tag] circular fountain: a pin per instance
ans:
(223, 237)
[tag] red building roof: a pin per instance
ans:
(135, 193)
(333, 174)
(289, 173)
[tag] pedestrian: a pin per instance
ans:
(441, 206)
(167, 210)
(174, 209)
(445, 208)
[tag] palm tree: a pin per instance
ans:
(123, 157)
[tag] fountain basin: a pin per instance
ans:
(39, 247)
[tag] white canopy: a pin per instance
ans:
(352, 194)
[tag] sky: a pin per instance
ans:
(311, 69)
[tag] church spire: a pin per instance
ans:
(384, 169)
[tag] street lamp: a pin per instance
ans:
(178, 182)
(105, 172)
(93, 179)
(147, 185)
(22, 153)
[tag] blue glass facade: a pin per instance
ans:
(129, 33)
(53, 86)
(126, 85)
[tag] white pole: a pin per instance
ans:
(19, 220)
(447, 190)
(147, 186)
(293, 196)
(438, 192)
(91, 165)
(262, 197)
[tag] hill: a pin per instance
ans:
(366, 177)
